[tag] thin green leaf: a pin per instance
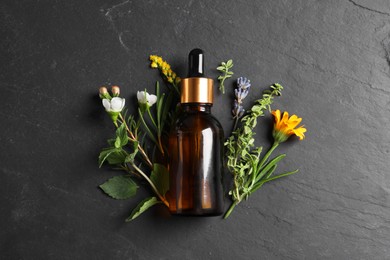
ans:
(268, 166)
(120, 187)
(151, 118)
(281, 175)
(142, 207)
(258, 185)
(150, 134)
(159, 108)
(160, 178)
(270, 172)
(166, 107)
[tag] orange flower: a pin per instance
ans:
(286, 126)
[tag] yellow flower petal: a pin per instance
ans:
(285, 126)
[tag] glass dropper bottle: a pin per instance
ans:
(196, 147)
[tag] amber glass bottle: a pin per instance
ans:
(196, 148)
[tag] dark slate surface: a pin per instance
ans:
(333, 58)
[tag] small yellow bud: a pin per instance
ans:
(153, 58)
(154, 65)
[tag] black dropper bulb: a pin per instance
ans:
(196, 63)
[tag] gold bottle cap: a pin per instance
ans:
(196, 90)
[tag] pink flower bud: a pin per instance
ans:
(103, 90)
(115, 91)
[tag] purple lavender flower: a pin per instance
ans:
(238, 109)
(242, 90)
(241, 93)
(243, 83)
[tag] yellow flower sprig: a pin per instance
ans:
(249, 168)
(286, 126)
(168, 74)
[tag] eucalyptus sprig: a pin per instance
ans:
(225, 69)
(250, 171)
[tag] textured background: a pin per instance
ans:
(332, 57)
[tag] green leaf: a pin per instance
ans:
(268, 166)
(220, 68)
(104, 155)
(120, 187)
(166, 107)
(247, 129)
(229, 63)
(148, 131)
(270, 172)
(111, 142)
(117, 157)
(160, 178)
(121, 136)
(280, 176)
(142, 207)
(159, 107)
(117, 142)
(130, 157)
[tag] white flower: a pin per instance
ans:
(146, 98)
(116, 104)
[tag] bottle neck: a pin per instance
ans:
(196, 107)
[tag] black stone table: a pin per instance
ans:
(332, 57)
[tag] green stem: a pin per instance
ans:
(158, 143)
(175, 87)
(133, 138)
(267, 155)
(160, 147)
(235, 124)
(231, 208)
(151, 184)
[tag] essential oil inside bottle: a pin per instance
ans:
(196, 147)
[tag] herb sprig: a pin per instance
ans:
(225, 68)
(249, 170)
(128, 151)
